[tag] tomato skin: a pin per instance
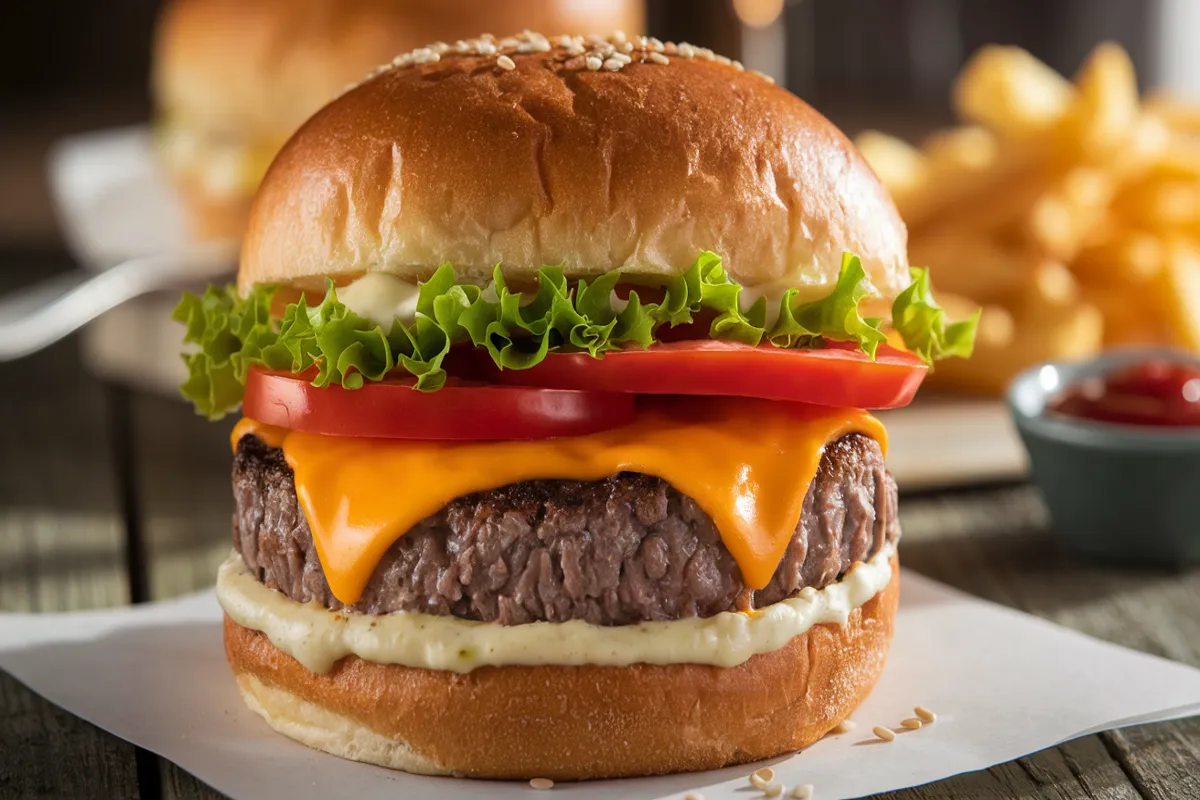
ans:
(837, 374)
(394, 410)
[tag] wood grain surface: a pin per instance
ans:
(85, 465)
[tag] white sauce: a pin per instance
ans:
(318, 638)
(381, 298)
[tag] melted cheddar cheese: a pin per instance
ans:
(746, 463)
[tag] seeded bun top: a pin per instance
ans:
(597, 154)
(259, 68)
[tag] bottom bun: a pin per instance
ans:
(572, 722)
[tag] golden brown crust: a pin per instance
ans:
(463, 161)
(259, 68)
(571, 723)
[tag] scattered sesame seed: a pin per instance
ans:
(599, 52)
(757, 781)
(693, 797)
(802, 791)
(773, 790)
(766, 773)
(925, 715)
(912, 724)
(886, 734)
(845, 726)
(542, 783)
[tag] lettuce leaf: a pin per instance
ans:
(228, 332)
(921, 322)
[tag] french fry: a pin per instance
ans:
(967, 148)
(1157, 202)
(1108, 108)
(1180, 286)
(1010, 92)
(1121, 258)
(900, 166)
(972, 267)
(1060, 221)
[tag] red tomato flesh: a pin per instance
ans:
(838, 374)
(392, 409)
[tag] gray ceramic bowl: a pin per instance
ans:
(1115, 492)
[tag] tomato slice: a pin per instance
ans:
(394, 410)
(838, 374)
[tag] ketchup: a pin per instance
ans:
(1157, 392)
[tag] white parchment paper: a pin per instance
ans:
(1004, 684)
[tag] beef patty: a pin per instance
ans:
(611, 552)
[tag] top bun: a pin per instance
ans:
(259, 68)
(519, 153)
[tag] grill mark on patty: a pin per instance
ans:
(618, 551)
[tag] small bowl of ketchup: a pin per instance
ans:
(1114, 446)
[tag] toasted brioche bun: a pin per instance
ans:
(572, 723)
(638, 170)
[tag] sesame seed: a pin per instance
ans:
(739, 66)
(693, 797)
(654, 43)
(618, 37)
(439, 47)
(686, 50)
(757, 781)
(612, 65)
(509, 42)
(462, 46)
(726, 60)
(705, 53)
(627, 47)
(506, 63)
(657, 57)
(912, 724)
(764, 76)
(594, 63)
(542, 783)
(773, 790)
(488, 37)
(486, 48)
(670, 48)
(766, 773)
(845, 726)
(886, 734)
(925, 715)
(624, 59)
(801, 791)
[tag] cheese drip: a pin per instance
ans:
(746, 463)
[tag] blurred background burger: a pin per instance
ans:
(233, 78)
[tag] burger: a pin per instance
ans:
(232, 79)
(553, 356)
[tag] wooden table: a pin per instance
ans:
(90, 468)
